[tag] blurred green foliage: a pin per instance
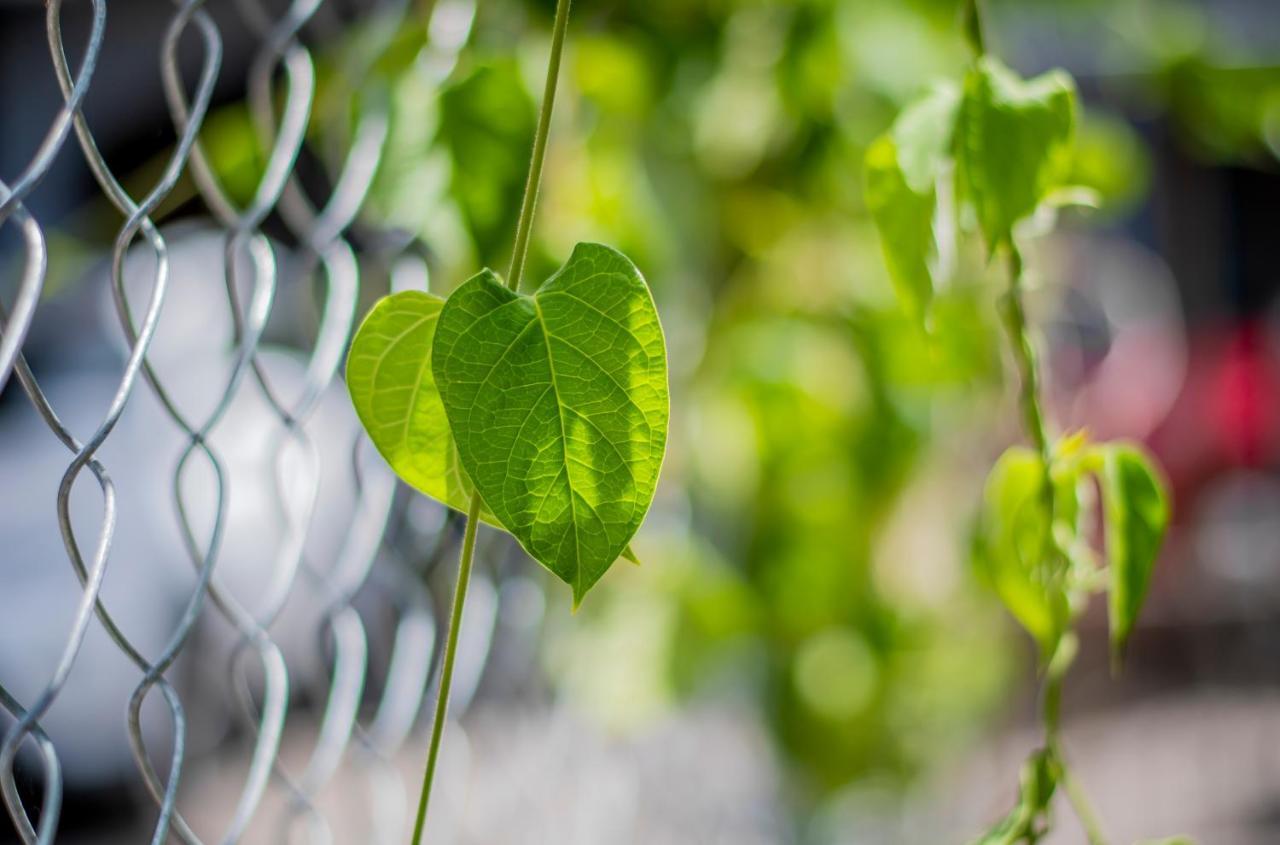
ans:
(807, 552)
(796, 559)
(789, 562)
(485, 118)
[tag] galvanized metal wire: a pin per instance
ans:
(359, 727)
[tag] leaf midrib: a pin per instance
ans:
(564, 446)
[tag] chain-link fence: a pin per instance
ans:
(220, 444)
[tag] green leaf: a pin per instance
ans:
(923, 134)
(1137, 512)
(900, 173)
(559, 403)
(1013, 144)
(394, 393)
(905, 221)
(1016, 546)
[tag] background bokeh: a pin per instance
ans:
(806, 654)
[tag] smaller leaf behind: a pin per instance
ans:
(394, 393)
(899, 178)
(1013, 144)
(1015, 546)
(1136, 507)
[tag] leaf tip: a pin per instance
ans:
(588, 250)
(1119, 652)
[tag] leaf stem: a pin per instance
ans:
(1015, 320)
(1075, 792)
(1079, 801)
(1014, 313)
(524, 229)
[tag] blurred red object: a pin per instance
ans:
(1225, 417)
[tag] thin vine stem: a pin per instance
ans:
(1079, 800)
(1051, 704)
(1015, 321)
(1014, 316)
(520, 251)
(524, 228)
(1024, 356)
(446, 668)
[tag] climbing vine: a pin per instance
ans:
(999, 147)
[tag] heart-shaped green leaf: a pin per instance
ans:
(394, 393)
(1013, 144)
(558, 403)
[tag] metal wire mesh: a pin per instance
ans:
(359, 728)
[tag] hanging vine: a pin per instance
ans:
(1001, 145)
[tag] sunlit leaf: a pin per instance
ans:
(558, 402)
(1137, 512)
(394, 393)
(1013, 144)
